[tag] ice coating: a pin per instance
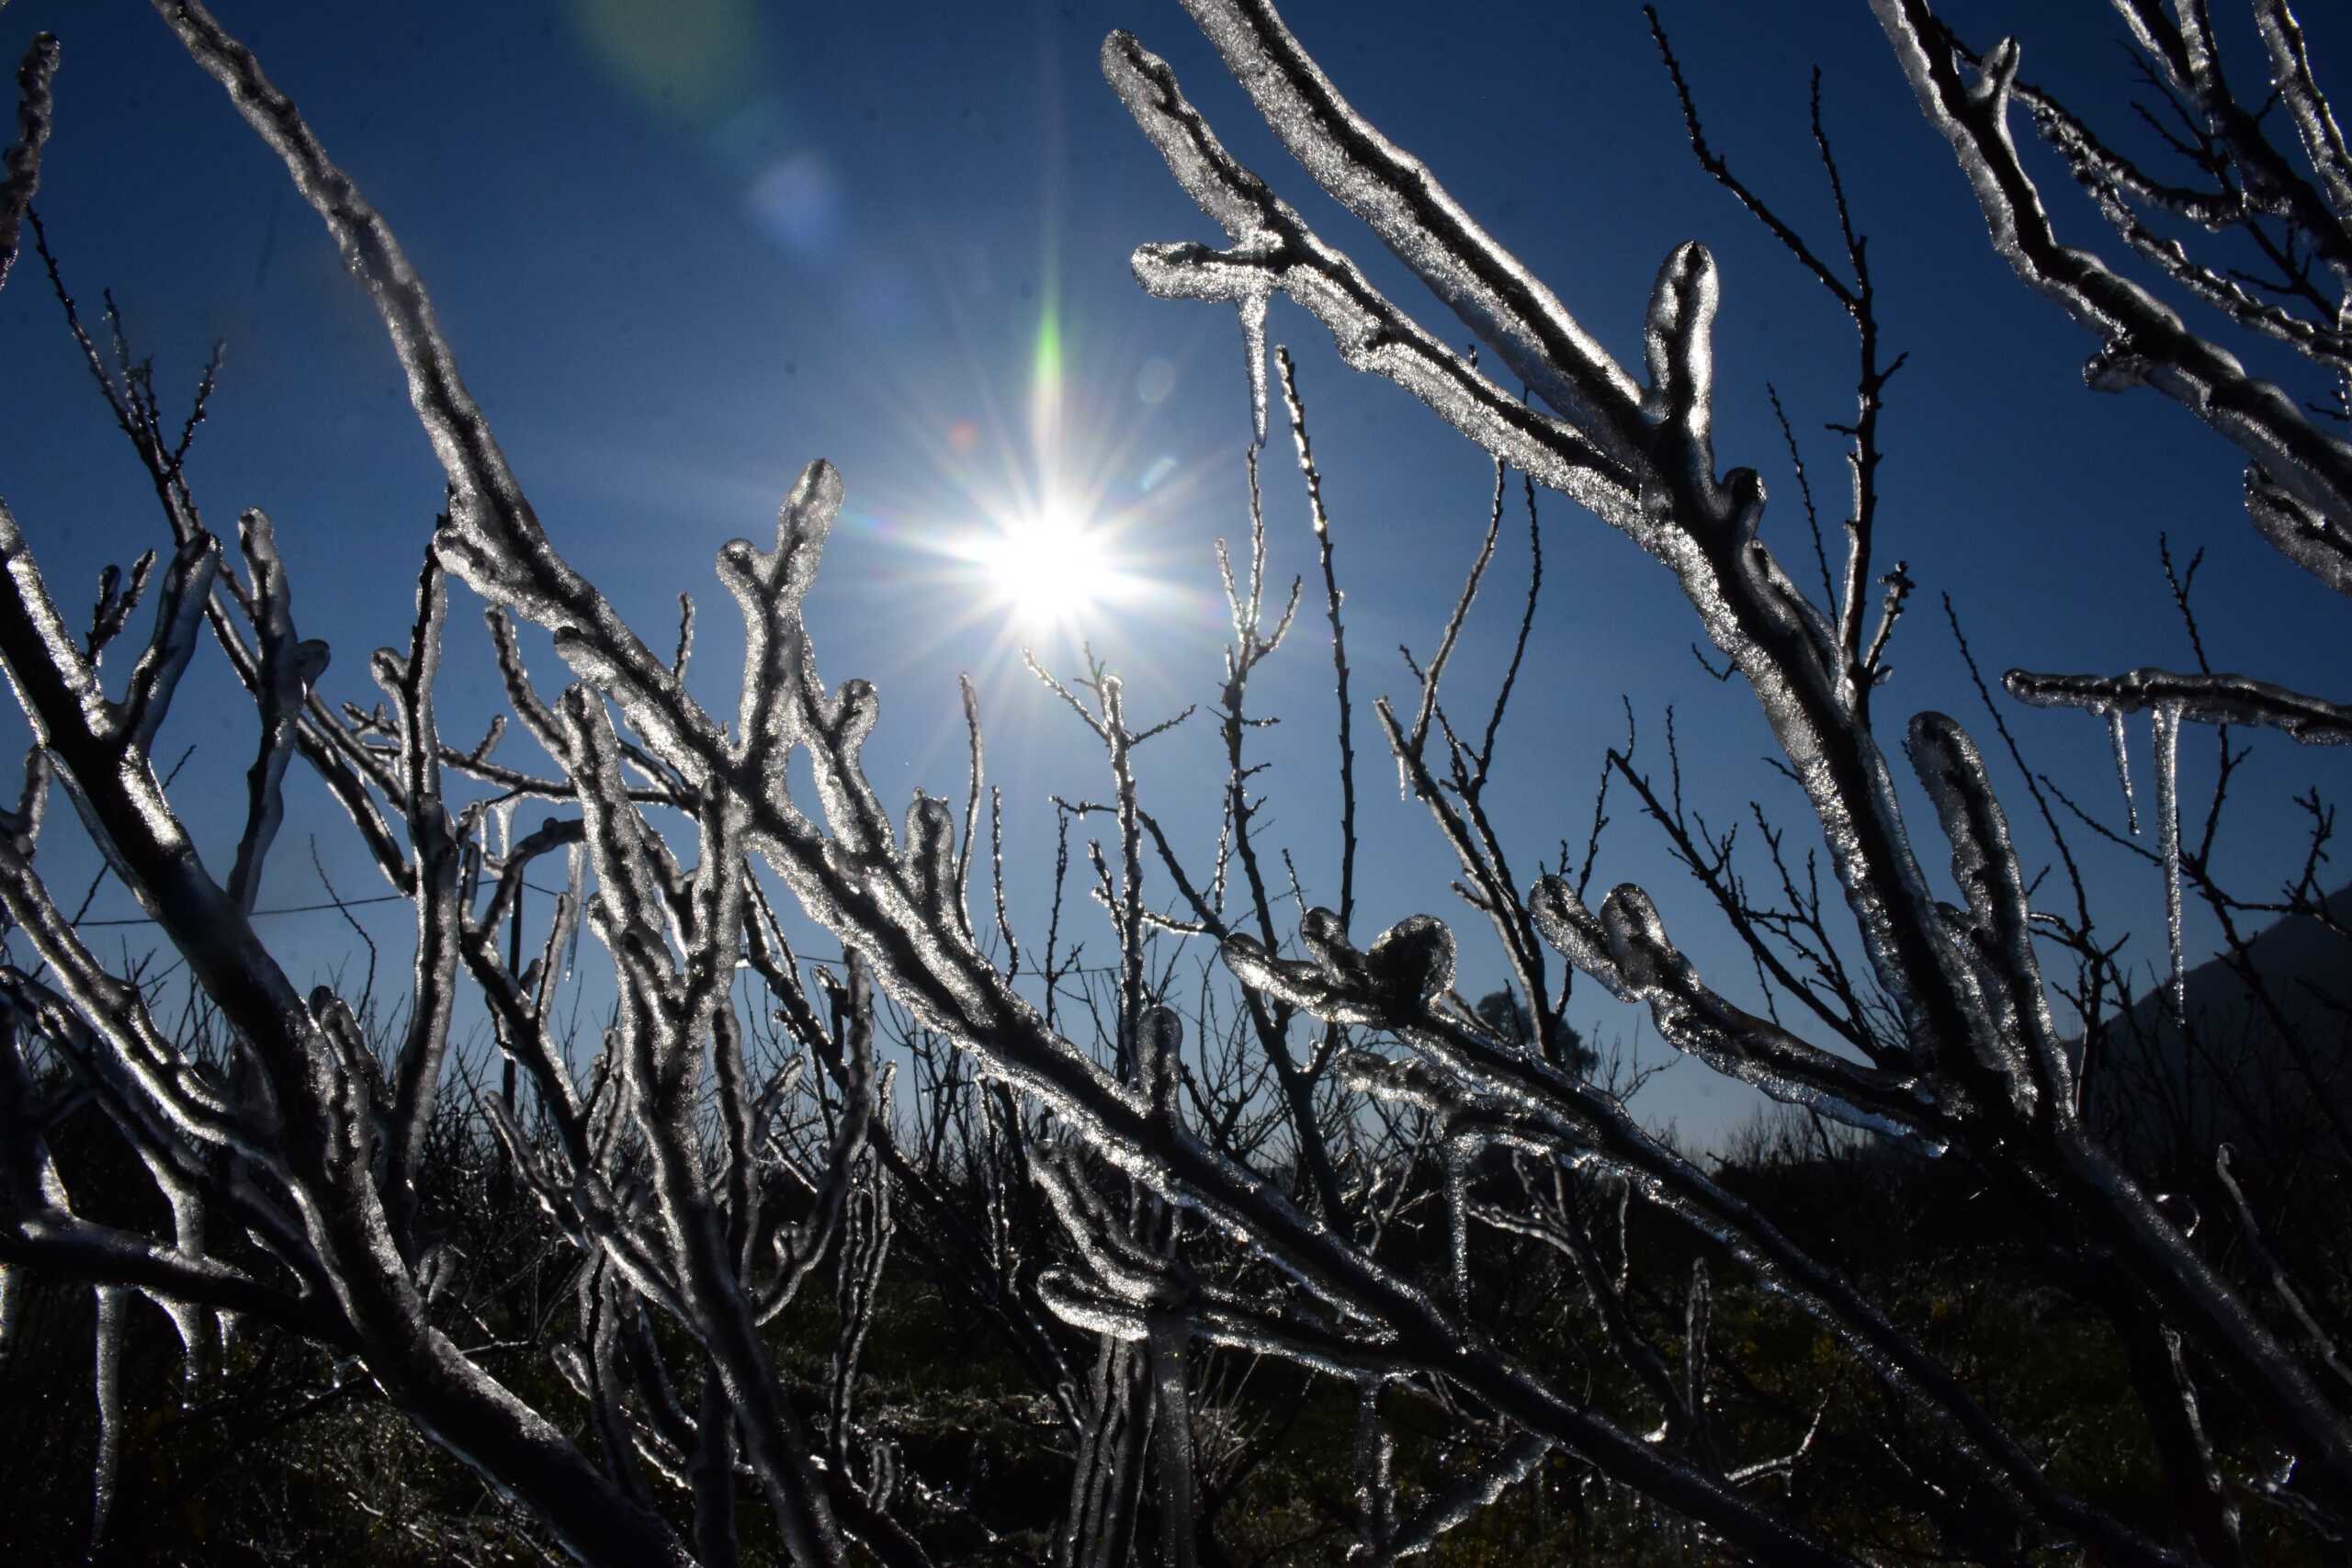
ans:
(35, 111)
(1678, 342)
(1467, 1495)
(1411, 963)
(147, 696)
(930, 860)
(2300, 531)
(1626, 949)
(1995, 940)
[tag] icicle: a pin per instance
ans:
(1178, 1488)
(1624, 1234)
(109, 1388)
(14, 1284)
(469, 865)
(1698, 1315)
(2124, 766)
(1458, 1160)
(573, 1366)
(199, 1328)
(1375, 1481)
(576, 858)
(1253, 348)
(2167, 762)
(503, 816)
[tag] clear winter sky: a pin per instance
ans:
(683, 248)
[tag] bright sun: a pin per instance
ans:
(1050, 568)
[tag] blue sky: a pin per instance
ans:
(680, 257)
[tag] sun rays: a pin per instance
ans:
(1050, 511)
(1050, 569)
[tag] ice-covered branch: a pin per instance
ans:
(1402, 201)
(2019, 1041)
(1624, 946)
(1700, 526)
(35, 109)
(677, 1164)
(147, 698)
(2322, 139)
(2141, 340)
(1463, 1499)
(2200, 697)
(1559, 1116)
(1274, 248)
(435, 845)
(286, 671)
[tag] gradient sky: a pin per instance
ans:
(682, 249)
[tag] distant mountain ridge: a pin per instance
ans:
(2239, 1075)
